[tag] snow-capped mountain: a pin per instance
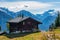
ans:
(7, 11)
(27, 13)
(47, 18)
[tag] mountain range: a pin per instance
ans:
(46, 18)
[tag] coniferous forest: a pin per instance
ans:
(58, 20)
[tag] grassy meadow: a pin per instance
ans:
(36, 36)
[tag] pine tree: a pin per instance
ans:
(58, 20)
(0, 28)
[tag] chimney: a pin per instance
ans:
(21, 15)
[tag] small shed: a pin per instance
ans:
(25, 24)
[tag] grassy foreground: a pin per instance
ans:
(35, 36)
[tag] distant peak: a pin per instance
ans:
(23, 10)
(50, 10)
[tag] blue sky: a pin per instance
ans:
(32, 0)
(35, 6)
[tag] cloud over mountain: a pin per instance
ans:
(33, 6)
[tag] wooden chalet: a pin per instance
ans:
(25, 24)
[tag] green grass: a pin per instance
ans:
(32, 36)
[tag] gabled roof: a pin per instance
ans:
(19, 19)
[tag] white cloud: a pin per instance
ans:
(32, 6)
(57, 9)
(56, 5)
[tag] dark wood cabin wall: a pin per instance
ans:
(21, 27)
(13, 27)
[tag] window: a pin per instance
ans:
(8, 25)
(29, 22)
(23, 23)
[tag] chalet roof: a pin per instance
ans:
(19, 19)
